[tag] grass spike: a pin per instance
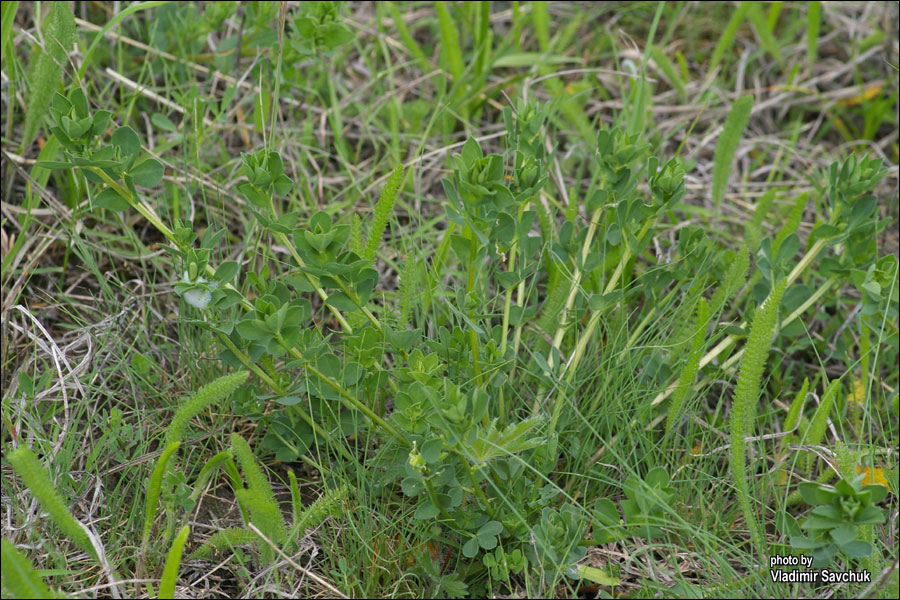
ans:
(744, 406)
(356, 236)
(153, 490)
(735, 122)
(792, 223)
(173, 561)
(267, 516)
(224, 540)
(450, 48)
(46, 66)
(735, 277)
(256, 479)
(328, 504)
(33, 474)
(383, 209)
(19, 577)
(689, 371)
(215, 391)
(753, 227)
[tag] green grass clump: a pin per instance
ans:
(454, 258)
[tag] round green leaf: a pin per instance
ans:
(470, 549)
(127, 141)
(148, 174)
(110, 199)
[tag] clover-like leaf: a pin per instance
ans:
(127, 140)
(110, 199)
(148, 173)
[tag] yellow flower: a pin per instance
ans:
(875, 476)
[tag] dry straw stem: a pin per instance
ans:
(291, 562)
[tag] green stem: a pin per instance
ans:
(792, 276)
(576, 284)
(436, 501)
(317, 429)
(476, 488)
(347, 398)
(470, 290)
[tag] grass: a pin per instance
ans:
(525, 386)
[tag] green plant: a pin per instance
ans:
(564, 278)
(644, 509)
(744, 406)
(258, 504)
(834, 521)
(20, 580)
(38, 481)
(173, 559)
(45, 70)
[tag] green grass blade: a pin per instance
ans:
(813, 23)
(8, 12)
(670, 71)
(761, 27)
(815, 432)
(735, 122)
(450, 48)
(726, 40)
(173, 561)
(207, 471)
(407, 39)
(541, 21)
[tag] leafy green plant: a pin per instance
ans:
(576, 278)
(834, 522)
(644, 509)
